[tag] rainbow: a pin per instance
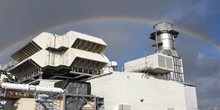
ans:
(104, 19)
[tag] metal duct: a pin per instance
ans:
(164, 36)
(30, 88)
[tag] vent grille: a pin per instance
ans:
(124, 107)
(169, 63)
(161, 61)
(88, 64)
(88, 46)
(170, 109)
(25, 52)
(25, 68)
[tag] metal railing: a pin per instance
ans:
(46, 101)
(8, 66)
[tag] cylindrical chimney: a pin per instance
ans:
(164, 38)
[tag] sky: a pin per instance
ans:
(21, 20)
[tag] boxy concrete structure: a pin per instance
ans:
(154, 82)
(139, 91)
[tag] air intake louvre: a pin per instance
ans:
(156, 63)
(169, 63)
(88, 64)
(28, 50)
(88, 46)
(161, 60)
(124, 107)
(28, 66)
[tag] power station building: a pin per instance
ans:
(154, 82)
(74, 66)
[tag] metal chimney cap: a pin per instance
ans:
(163, 26)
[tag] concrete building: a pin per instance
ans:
(154, 82)
(73, 67)
(139, 92)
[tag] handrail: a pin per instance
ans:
(8, 65)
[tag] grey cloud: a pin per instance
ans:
(199, 68)
(24, 17)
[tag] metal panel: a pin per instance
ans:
(169, 63)
(161, 60)
(28, 50)
(88, 46)
(191, 98)
(155, 63)
(124, 107)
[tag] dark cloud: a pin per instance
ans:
(126, 40)
(199, 68)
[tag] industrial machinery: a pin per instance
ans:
(70, 72)
(49, 59)
(156, 63)
(153, 82)
(165, 62)
(49, 56)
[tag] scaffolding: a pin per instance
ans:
(47, 101)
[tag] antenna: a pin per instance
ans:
(145, 52)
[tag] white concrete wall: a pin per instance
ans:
(191, 98)
(130, 88)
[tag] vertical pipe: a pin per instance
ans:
(64, 101)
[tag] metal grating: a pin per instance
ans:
(161, 61)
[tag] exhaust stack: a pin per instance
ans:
(164, 36)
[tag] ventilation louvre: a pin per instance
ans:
(161, 60)
(28, 50)
(88, 64)
(88, 46)
(169, 63)
(124, 107)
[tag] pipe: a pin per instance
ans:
(30, 88)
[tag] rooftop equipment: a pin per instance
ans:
(165, 60)
(164, 36)
(72, 55)
(76, 57)
(156, 63)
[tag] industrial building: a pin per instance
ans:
(71, 72)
